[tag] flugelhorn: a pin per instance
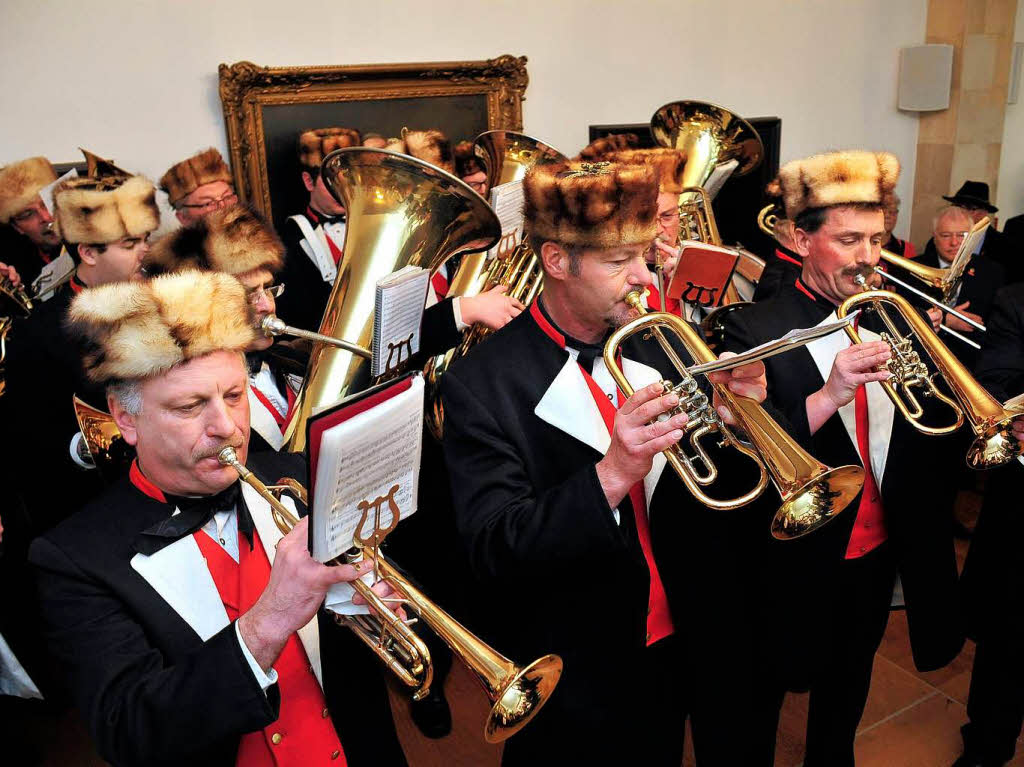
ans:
(990, 420)
(272, 326)
(516, 693)
(812, 493)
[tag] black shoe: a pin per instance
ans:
(432, 714)
(961, 531)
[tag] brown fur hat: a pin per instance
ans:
(599, 205)
(105, 210)
(233, 240)
(430, 146)
(466, 160)
(616, 142)
(20, 182)
(670, 165)
(836, 178)
(185, 177)
(316, 144)
(135, 330)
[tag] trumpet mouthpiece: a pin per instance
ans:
(272, 325)
(227, 456)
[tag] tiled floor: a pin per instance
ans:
(911, 720)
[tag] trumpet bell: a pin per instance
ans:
(995, 444)
(817, 502)
(522, 697)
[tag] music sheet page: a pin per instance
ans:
(397, 317)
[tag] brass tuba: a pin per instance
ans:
(516, 693)
(812, 493)
(990, 420)
(508, 156)
(401, 211)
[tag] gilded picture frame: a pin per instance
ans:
(266, 107)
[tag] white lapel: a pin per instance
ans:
(880, 408)
(314, 245)
(262, 422)
(269, 535)
(569, 406)
(640, 375)
(178, 573)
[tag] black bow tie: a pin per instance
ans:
(340, 219)
(588, 353)
(193, 514)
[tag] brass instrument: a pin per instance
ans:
(812, 493)
(14, 301)
(401, 211)
(5, 328)
(507, 156)
(517, 693)
(767, 218)
(273, 326)
(106, 447)
(990, 420)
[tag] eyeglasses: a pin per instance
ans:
(947, 236)
(255, 294)
(228, 199)
(669, 216)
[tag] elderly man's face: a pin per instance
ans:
(668, 218)
(34, 222)
(950, 230)
(189, 414)
(205, 200)
(262, 302)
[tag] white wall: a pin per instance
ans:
(136, 80)
(1010, 192)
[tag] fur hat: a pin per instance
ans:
(466, 160)
(316, 144)
(600, 205)
(430, 146)
(135, 330)
(104, 210)
(670, 165)
(836, 178)
(20, 182)
(188, 175)
(615, 142)
(233, 240)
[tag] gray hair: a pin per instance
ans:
(947, 210)
(128, 394)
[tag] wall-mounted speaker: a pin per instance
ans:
(926, 72)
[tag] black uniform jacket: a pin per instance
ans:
(556, 572)
(44, 372)
(993, 577)
(917, 486)
(148, 653)
(982, 278)
(781, 268)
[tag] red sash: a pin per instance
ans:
(659, 620)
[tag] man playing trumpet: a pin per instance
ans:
(830, 619)
(557, 478)
(185, 624)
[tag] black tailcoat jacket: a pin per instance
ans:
(993, 577)
(557, 573)
(150, 657)
(914, 473)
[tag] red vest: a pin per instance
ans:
(303, 733)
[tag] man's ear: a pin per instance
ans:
(180, 215)
(87, 254)
(125, 421)
(801, 242)
(307, 181)
(555, 260)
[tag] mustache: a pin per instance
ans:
(213, 452)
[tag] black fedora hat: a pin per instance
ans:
(973, 194)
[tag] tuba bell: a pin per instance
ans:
(812, 493)
(990, 420)
(507, 156)
(516, 693)
(401, 211)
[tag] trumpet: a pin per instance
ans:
(812, 493)
(15, 297)
(516, 693)
(990, 420)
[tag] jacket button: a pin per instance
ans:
(275, 738)
(336, 754)
(325, 713)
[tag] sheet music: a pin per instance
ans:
(52, 275)
(46, 193)
(719, 176)
(397, 316)
(361, 459)
(507, 201)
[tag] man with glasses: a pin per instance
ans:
(973, 197)
(199, 185)
(30, 240)
(238, 242)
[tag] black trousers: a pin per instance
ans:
(995, 705)
(840, 673)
